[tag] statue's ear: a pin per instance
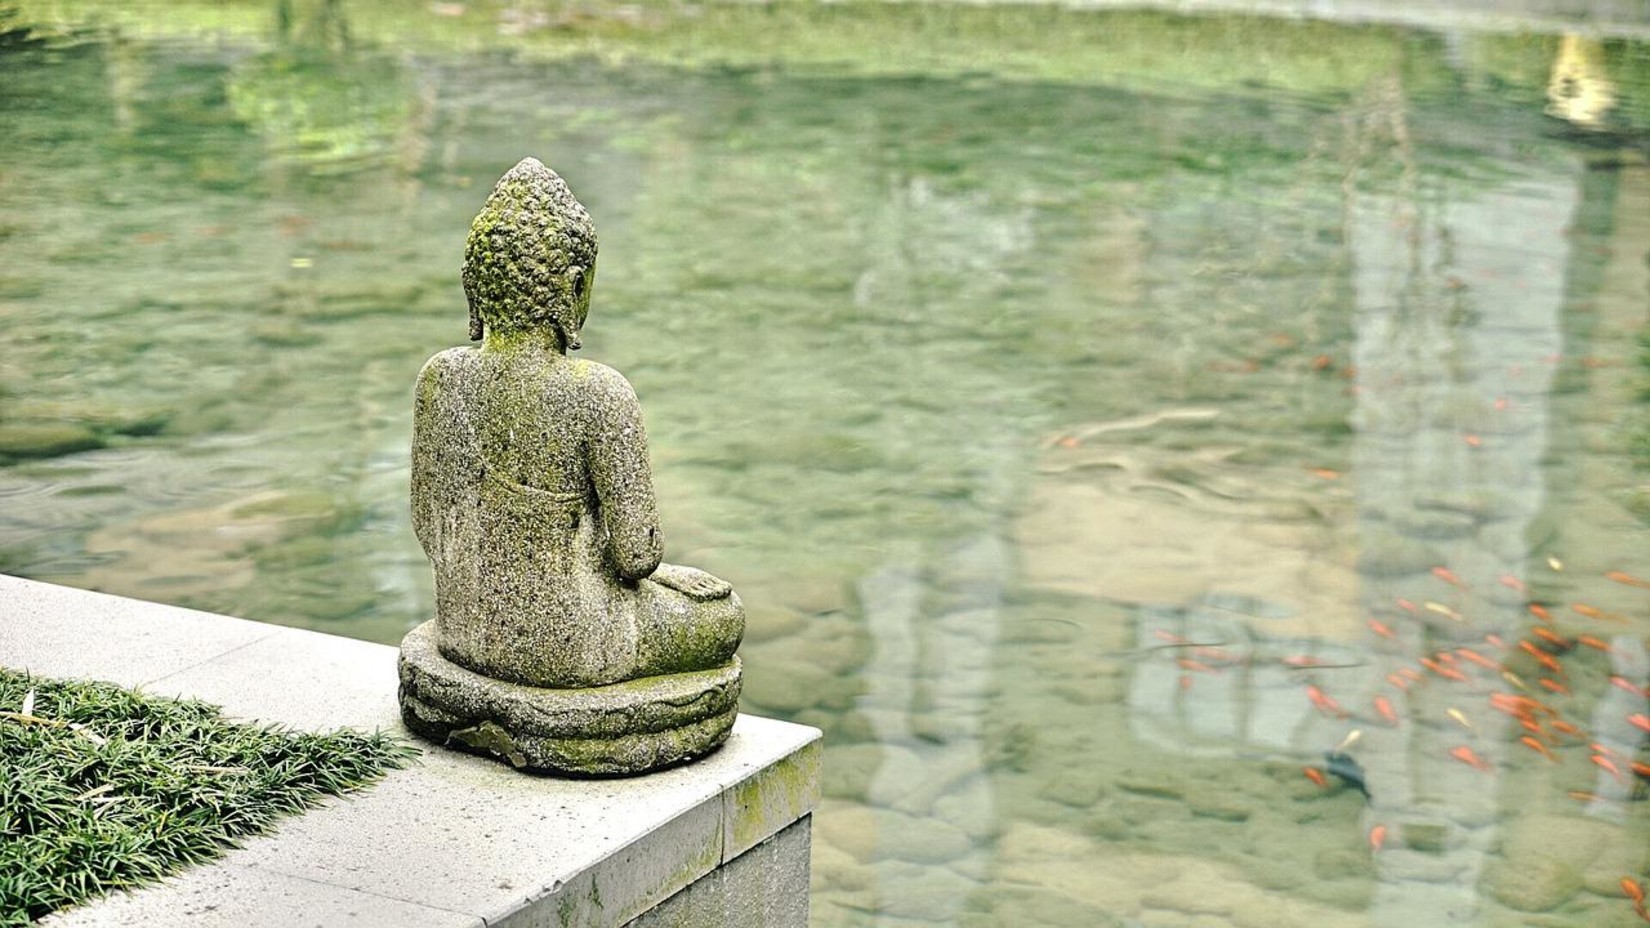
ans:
(577, 280)
(477, 329)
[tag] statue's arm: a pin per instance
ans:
(424, 518)
(623, 480)
(427, 458)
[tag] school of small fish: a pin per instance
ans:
(1496, 680)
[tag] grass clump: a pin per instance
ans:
(102, 788)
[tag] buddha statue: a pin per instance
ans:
(560, 641)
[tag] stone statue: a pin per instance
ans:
(560, 642)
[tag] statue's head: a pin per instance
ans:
(531, 257)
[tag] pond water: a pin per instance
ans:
(1103, 415)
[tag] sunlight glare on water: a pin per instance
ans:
(1135, 437)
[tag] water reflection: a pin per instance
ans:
(1094, 446)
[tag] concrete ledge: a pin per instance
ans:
(455, 840)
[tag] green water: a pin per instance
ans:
(1053, 386)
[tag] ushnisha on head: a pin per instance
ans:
(530, 259)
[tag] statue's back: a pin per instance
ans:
(519, 566)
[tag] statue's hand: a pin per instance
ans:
(691, 582)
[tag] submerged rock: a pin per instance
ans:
(45, 439)
(1533, 884)
(1388, 554)
(1427, 837)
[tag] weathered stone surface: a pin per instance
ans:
(580, 651)
(622, 728)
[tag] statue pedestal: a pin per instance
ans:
(454, 841)
(618, 730)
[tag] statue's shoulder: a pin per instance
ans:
(603, 382)
(452, 362)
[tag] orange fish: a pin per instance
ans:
(1565, 727)
(1170, 637)
(1594, 643)
(1470, 757)
(1640, 721)
(1605, 763)
(1540, 612)
(1583, 796)
(1448, 576)
(1494, 641)
(1381, 628)
(1407, 606)
(1383, 705)
(1593, 612)
(1641, 770)
(1187, 663)
(1324, 702)
(1324, 473)
(1511, 582)
(1397, 681)
(1473, 441)
(1377, 837)
(1631, 889)
(1185, 682)
(1542, 657)
(1302, 660)
(1622, 683)
(1626, 578)
(1520, 705)
(1449, 673)
(1315, 775)
(1555, 686)
(1477, 658)
(1537, 747)
(1553, 638)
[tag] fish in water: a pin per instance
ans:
(1341, 765)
